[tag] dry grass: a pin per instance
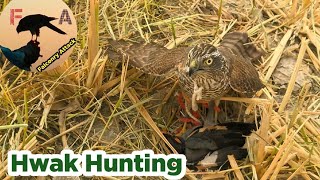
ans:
(112, 107)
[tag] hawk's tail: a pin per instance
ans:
(239, 42)
(54, 28)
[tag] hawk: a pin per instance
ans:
(205, 72)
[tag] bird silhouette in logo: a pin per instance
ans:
(24, 56)
(34, 22)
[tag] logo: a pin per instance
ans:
(37, 35)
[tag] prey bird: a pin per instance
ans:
(209, 147)
(34, 22)
(205, 72)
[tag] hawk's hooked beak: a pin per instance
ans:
(193, 67)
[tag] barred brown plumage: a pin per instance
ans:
(215, 69)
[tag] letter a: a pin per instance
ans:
(65, 17)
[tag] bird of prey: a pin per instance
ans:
(209, 147)
(34, 22)
(24, 56)
(205, 72)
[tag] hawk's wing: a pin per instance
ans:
(150, 58)
(244, 78)
(239, 43)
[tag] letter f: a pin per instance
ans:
(14, 16)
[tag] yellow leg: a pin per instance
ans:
(217, 109)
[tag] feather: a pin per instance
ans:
(211, 145)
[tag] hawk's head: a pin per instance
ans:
(204, 57)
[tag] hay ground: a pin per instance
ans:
(112, 107)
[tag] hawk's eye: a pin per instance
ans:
(209, 61)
